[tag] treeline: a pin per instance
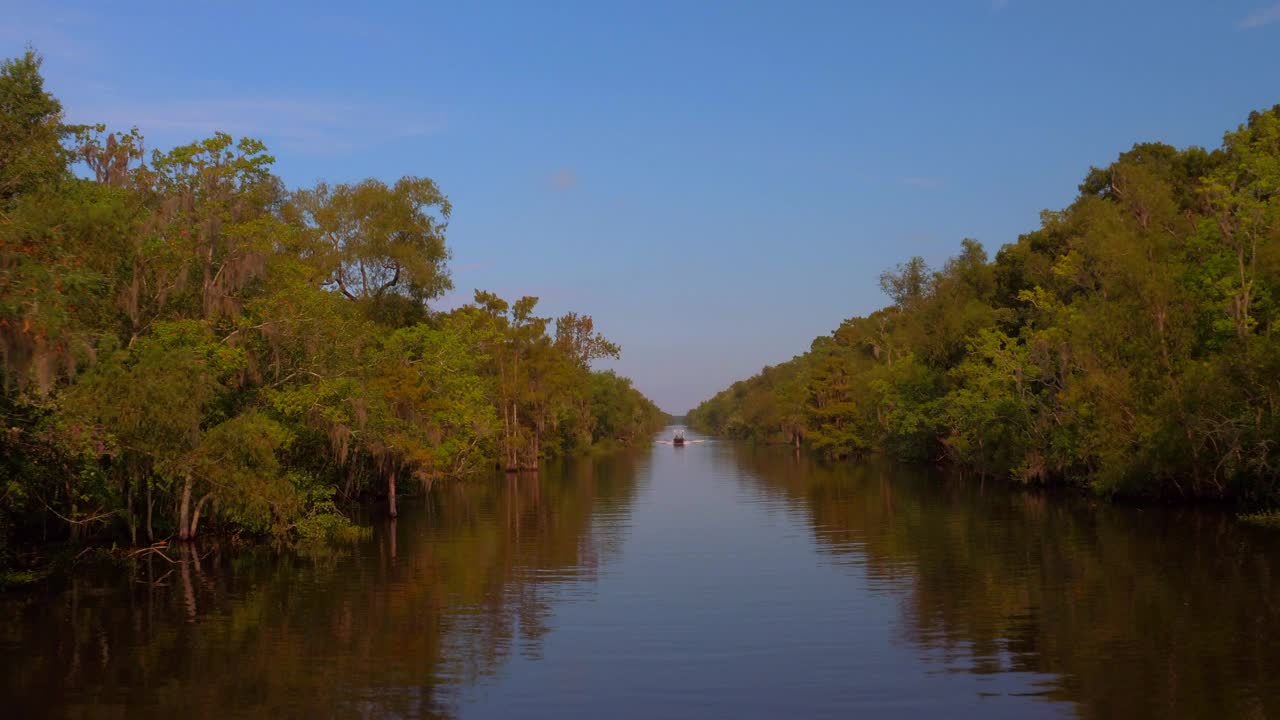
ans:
(185, 341)
(1128, 345)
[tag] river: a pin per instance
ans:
(706, 581)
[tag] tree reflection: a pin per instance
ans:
(1135, 612)
(397, 625)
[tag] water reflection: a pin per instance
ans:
(1132, 612)
(705, 581)
(392, 627)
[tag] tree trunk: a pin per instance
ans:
(513, 456)
(133, 520)
(184, 511)
(391, 492)
(195, 516)
(535, 449)
(150, 506)
(351, 475)
(512, 433)
(71, 503)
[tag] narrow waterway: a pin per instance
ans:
(712, 580)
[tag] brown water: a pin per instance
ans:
(706, 581)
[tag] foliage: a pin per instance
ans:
(1128, 345)
(183, 338)
(1270, 518)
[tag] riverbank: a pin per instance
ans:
(1235, 507)
(325, 524)
(1128, 344)
(188, 345)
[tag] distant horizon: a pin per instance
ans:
(716, 185)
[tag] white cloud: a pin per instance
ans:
(1260, 17)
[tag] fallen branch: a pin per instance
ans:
(155, 549)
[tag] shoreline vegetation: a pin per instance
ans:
(1128, 346)
(187, 345)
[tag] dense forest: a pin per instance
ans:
(1128, 345)
(185, 342)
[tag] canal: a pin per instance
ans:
(711, 580)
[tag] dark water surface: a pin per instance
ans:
(710, 581)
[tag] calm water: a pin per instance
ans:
(705, 581)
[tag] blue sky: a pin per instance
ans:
(716, 183)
